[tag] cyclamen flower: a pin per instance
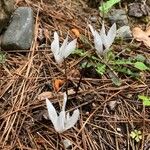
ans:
(102, 41)
(60, 53)
(63, 121)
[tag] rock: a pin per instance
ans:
(148, 2)
(67, 143)
(112, 105)
(6, 9)
(93, 19)
(124, 32)
(19, 33)
(119, 17)
(138, 9)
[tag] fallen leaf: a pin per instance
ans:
(74, 73)
(148, 31)
(57, 84)
(141, 35)
(46, 33)
(112, 105)
(52, 95)
(76, 32)
(45, 95)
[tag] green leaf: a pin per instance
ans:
(133, 134)
(80, 52)
(86, 65)
(136, 135)
(126, 71)
(141, 66)
(105, 7)
(100, 68)
(2, 57)
(140, 58)
(110, 56)
(114, 79)
(145, 99)
(123, 62)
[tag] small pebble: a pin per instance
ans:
(124, 32)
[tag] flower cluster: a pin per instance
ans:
(103, 41)
(63, 121)
(60, 53)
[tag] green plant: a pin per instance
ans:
(141, 66)
(145, 99)
(80, 52)
(100, 68)
(106, 6)
(136, 135)
(114, 78)
(2, 57)
(130, 66)
(112, 65)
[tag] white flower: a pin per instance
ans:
(101, 39)
(60, 53)
(62, 121)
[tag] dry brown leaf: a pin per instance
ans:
(45, 95)
(74, 73)
(50, 95)
(141, 35)
(57, 84)
(148, 31)
(76, 32)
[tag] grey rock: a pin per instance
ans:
(6, 10)
(138, 9)
(124, 32)
(19, 33)
(94, 19)
(119, 17)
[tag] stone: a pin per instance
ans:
(138, 9)
(119, 17)
(19, 33)
(6, 10)
(124, 32)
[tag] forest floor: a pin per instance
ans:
(108, 113)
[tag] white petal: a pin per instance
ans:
(55, 44)
(98, 43)
(63, 47)
(51, 112)
(111, 35)
(97, 40)
(59, 59)
(69, 48)
(103, 35)
(60, 122)
(64, 102)
(67, 116)
(72, 120)
(92, 29)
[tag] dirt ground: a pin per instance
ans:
(108, 113)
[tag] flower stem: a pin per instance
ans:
(81, 76)
(66, 77)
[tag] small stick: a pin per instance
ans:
(82, 72)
